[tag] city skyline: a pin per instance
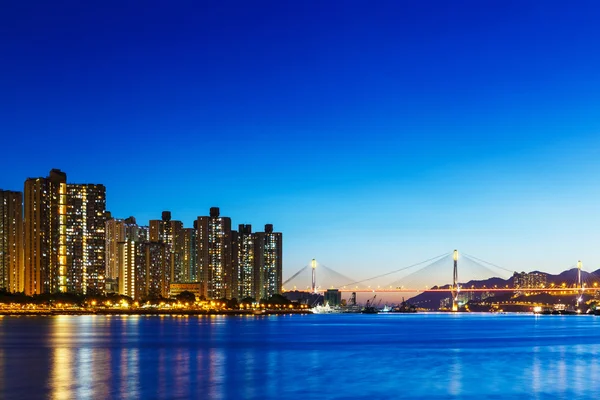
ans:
(58, 237)
(345, 199)
(374, 141)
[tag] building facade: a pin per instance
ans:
(64, 231)
(12, 269)
(215, 255)
(247, 271)
(172, 234)
(115, 234)
(132, 277)
(269, 261)
(131, 265)
(192, 287)
(333, 297)
(86, 238)
(529, 280)
(189, 265)
(45, 225)
(156, 260)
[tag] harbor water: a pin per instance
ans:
(336, 356)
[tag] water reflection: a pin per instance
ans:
(435, 357)
(129, 376)
(2, 387)
(62, 374)
(454, 388)
(536, 372)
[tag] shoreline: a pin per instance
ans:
(149, 312)
(154, 312)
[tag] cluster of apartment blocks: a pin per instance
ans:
(58, 237)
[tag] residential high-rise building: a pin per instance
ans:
(65, 241)
(86, 239)
(268, 268)
(115, 234)
(117, 231)
(189, 266)
(132, 277)
(156, 258)
(232, 280)
(45, 225)
(215, 255)
(177, 249)
(131, 259)
(12, 270)
(160, 229)
(529, 280)
(171, 233)
(246, 262)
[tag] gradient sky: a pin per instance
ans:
(372, 134)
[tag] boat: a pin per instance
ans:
(369, 308)
(351, 309)
(385, 309)
(404, 307)
(326, 309)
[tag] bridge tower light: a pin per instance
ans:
(455, 288)
(314, 275)
(579, 284)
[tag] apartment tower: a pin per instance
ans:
(12, 270)
(215, 255)
(45, 225)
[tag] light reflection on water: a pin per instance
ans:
(439, 356)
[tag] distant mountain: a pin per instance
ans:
(569, 277)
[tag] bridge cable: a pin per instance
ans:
(487, 262)
(334, 273)
(295, 275)
(398, 270)
(495, 274)
(413, 275)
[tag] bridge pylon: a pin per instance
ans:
(455, 287)
(579, 283)
(314, 275)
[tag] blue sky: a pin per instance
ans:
(373, 135)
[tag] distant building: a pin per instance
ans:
(247, 269)
(189, 265)
(333, 297)
(139, 233)
(193, 287)
(12, 268)
(65, 242)
(114, 233)
(171, 233)
(156, 260)
(46, 234)
(132, 272)
(111, 285)
(214, 251)
(86, 239)
(446, 303)
(309, 298)
(529, 280)
(268, 253)
(130, 265)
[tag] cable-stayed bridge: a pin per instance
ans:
(441, 274)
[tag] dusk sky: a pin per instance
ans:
(372, 134)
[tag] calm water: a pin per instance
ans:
(425, 356)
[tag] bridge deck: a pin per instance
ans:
(404, 290)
